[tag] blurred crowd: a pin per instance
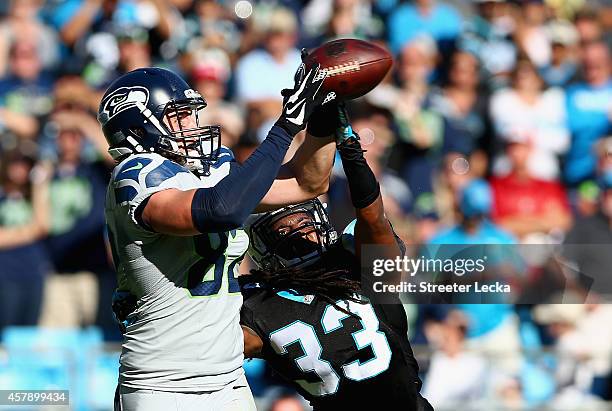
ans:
(494, 126)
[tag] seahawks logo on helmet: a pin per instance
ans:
(124, 98)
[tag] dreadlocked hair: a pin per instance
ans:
(328, 285)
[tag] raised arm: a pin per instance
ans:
(304, 177)
(78, 25)
(166, 18)
(372, 226)
(87, 126)
(227, 205)
(23, 125)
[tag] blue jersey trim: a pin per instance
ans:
(225, 156)
(293, 297)
(131, 169)
(125, 194)
(161, 173)
(348, 237)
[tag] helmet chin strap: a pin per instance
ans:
(117, 152)
(196, 166)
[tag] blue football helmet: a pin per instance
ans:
(154, 110)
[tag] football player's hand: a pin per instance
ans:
(298, 77)
(300, 102)
(303, 99)
(323, 121)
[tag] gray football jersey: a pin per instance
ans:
(184, 335)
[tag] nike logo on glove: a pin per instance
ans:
(299, 120)
(292, 109)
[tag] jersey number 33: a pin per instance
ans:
(311, 361)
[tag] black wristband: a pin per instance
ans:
(361, 180)
(324, 121)
(290, 129)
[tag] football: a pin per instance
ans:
(354, 66)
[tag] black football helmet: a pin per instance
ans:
(273, 249)
(145, 111)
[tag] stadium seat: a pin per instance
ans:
(72, 359)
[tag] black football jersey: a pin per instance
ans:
(336, 360)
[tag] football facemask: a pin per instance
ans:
(196, 145)
(294, 236)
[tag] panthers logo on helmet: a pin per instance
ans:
(124, 98)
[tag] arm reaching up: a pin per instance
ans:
(227, 205)
(372, 225)
(306, 175)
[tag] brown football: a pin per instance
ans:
(354, 66)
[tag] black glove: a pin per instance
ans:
(329, 120)
(324, 120)
(300, 102)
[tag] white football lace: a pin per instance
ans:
(299, 119)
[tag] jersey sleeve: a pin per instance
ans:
(394, 316)
(247, 317)
(139, 177)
